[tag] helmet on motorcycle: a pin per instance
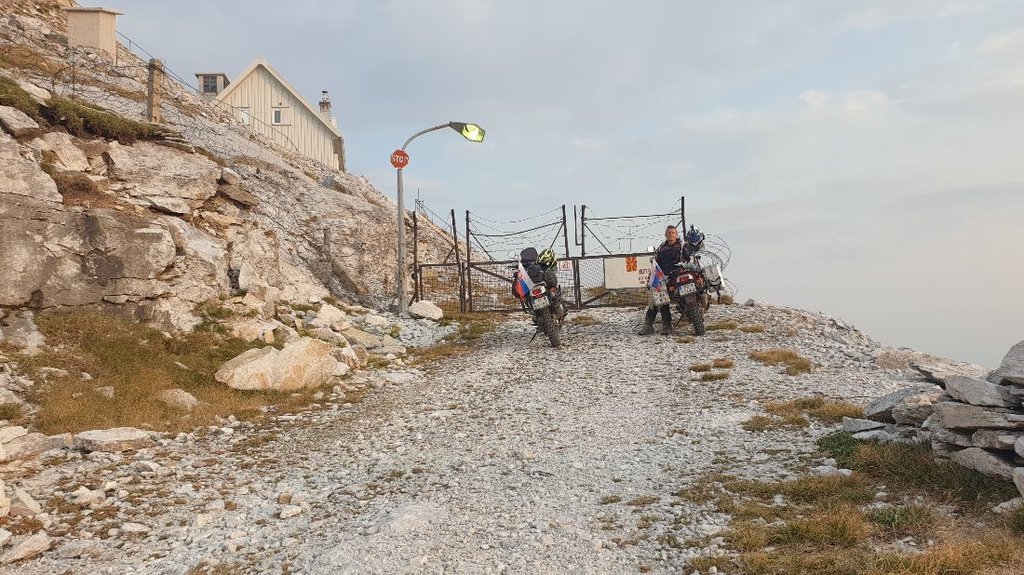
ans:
(528, 255)
(694, 239)
(546, 258)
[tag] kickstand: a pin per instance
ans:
(535, 335)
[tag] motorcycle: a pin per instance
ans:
(693, 287)
(541, 302)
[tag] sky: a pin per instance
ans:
(862, 158)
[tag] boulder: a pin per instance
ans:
(23, 177)
(5, 502)
(954, 415)
(915, 409)
(347, 355)
(1019, 446)
(1018, 479)
(329, 317)
(851, 425)
(16, 122)
(997, 440)
(938, 370)
(356, 336)
(978, 392)
(881, 408)
(951, 437)
(5, 536)
(26, 446)
(1011, 370)
(40, 95)
(23, 505)
(20, 331)
(113, 440)
(11, 432)
(253, 329)
(306, 363)
(391, 345)
(374, 320)
(177, 399)
(983, 462)
(27, 549)
(424, 309)
(70, 156)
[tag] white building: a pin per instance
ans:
(264, 102)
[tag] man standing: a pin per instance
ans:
(670, 252)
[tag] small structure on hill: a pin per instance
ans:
(93, 28)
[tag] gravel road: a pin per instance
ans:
(516, 458)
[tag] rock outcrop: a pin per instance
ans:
(305, 364)
(977, 423)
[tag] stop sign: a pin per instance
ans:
(399, 159)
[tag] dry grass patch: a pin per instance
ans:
(10, 411)
(723, 363)
(724, 299)
(700, 367)
(899, 522)
(823, 491)
(795, 364)
(719, 376)
(471, 327)
(609, 499)
(754, 328)
(643, 501)
(84, 120)
(686, 339)
(816, 407)
(722, 326)
(137, 362)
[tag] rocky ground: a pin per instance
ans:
(515, 458)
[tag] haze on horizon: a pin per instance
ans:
(861, 158)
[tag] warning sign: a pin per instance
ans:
(626, 272)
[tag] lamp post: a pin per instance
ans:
(399, 159)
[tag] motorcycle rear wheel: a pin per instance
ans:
(547, 325)
(695, 313)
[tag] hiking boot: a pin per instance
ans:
(647, 329)
(666, 328)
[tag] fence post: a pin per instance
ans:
(469, 269)
(416, 256)
(156, 70)
(565, 230)
(583, 230)
(458, 264)
(682, 212)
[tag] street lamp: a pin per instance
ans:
(399, 159)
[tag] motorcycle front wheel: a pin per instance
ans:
(547, 325)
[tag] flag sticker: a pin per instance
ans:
(631, 264)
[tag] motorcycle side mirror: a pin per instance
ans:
(512, 255)
(650, 249)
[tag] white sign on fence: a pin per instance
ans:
(627, 272)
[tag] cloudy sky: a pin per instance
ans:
(861, 157)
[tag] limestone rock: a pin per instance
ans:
(26, 446)
(881, 408)
(426, 309)
(20, 330)
(289, 511)
(28, 548)
(983, 462)
(23, 505)
(38, 94)
(374, 320)
(113, 440)
(23, 177)
(1011, 369)
(16, 122)
(68, 154)
(307, 363)
(348, 356)
(11, 432)
(851, 425)
(1018, 479)
(168, 205)
(356, 336)
(177, 399)
(165, 171)
(253, 329)
(1019, 446)
(954, 415)
(230, 177)
(978, 392)
(5, 503)
(997, 440)
(328, 317)
(238, 195)
(915, 409)
(5, 536)
(952, 437)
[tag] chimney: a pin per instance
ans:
(212, 83)
(93, 28)
(325, 109)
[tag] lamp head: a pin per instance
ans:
(471, 132)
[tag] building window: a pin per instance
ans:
(243, 116)
(277, 116)
(209, 84)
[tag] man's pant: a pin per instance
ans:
(652, 313)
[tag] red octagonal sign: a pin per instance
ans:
(399, 159)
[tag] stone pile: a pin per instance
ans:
(968, 417)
